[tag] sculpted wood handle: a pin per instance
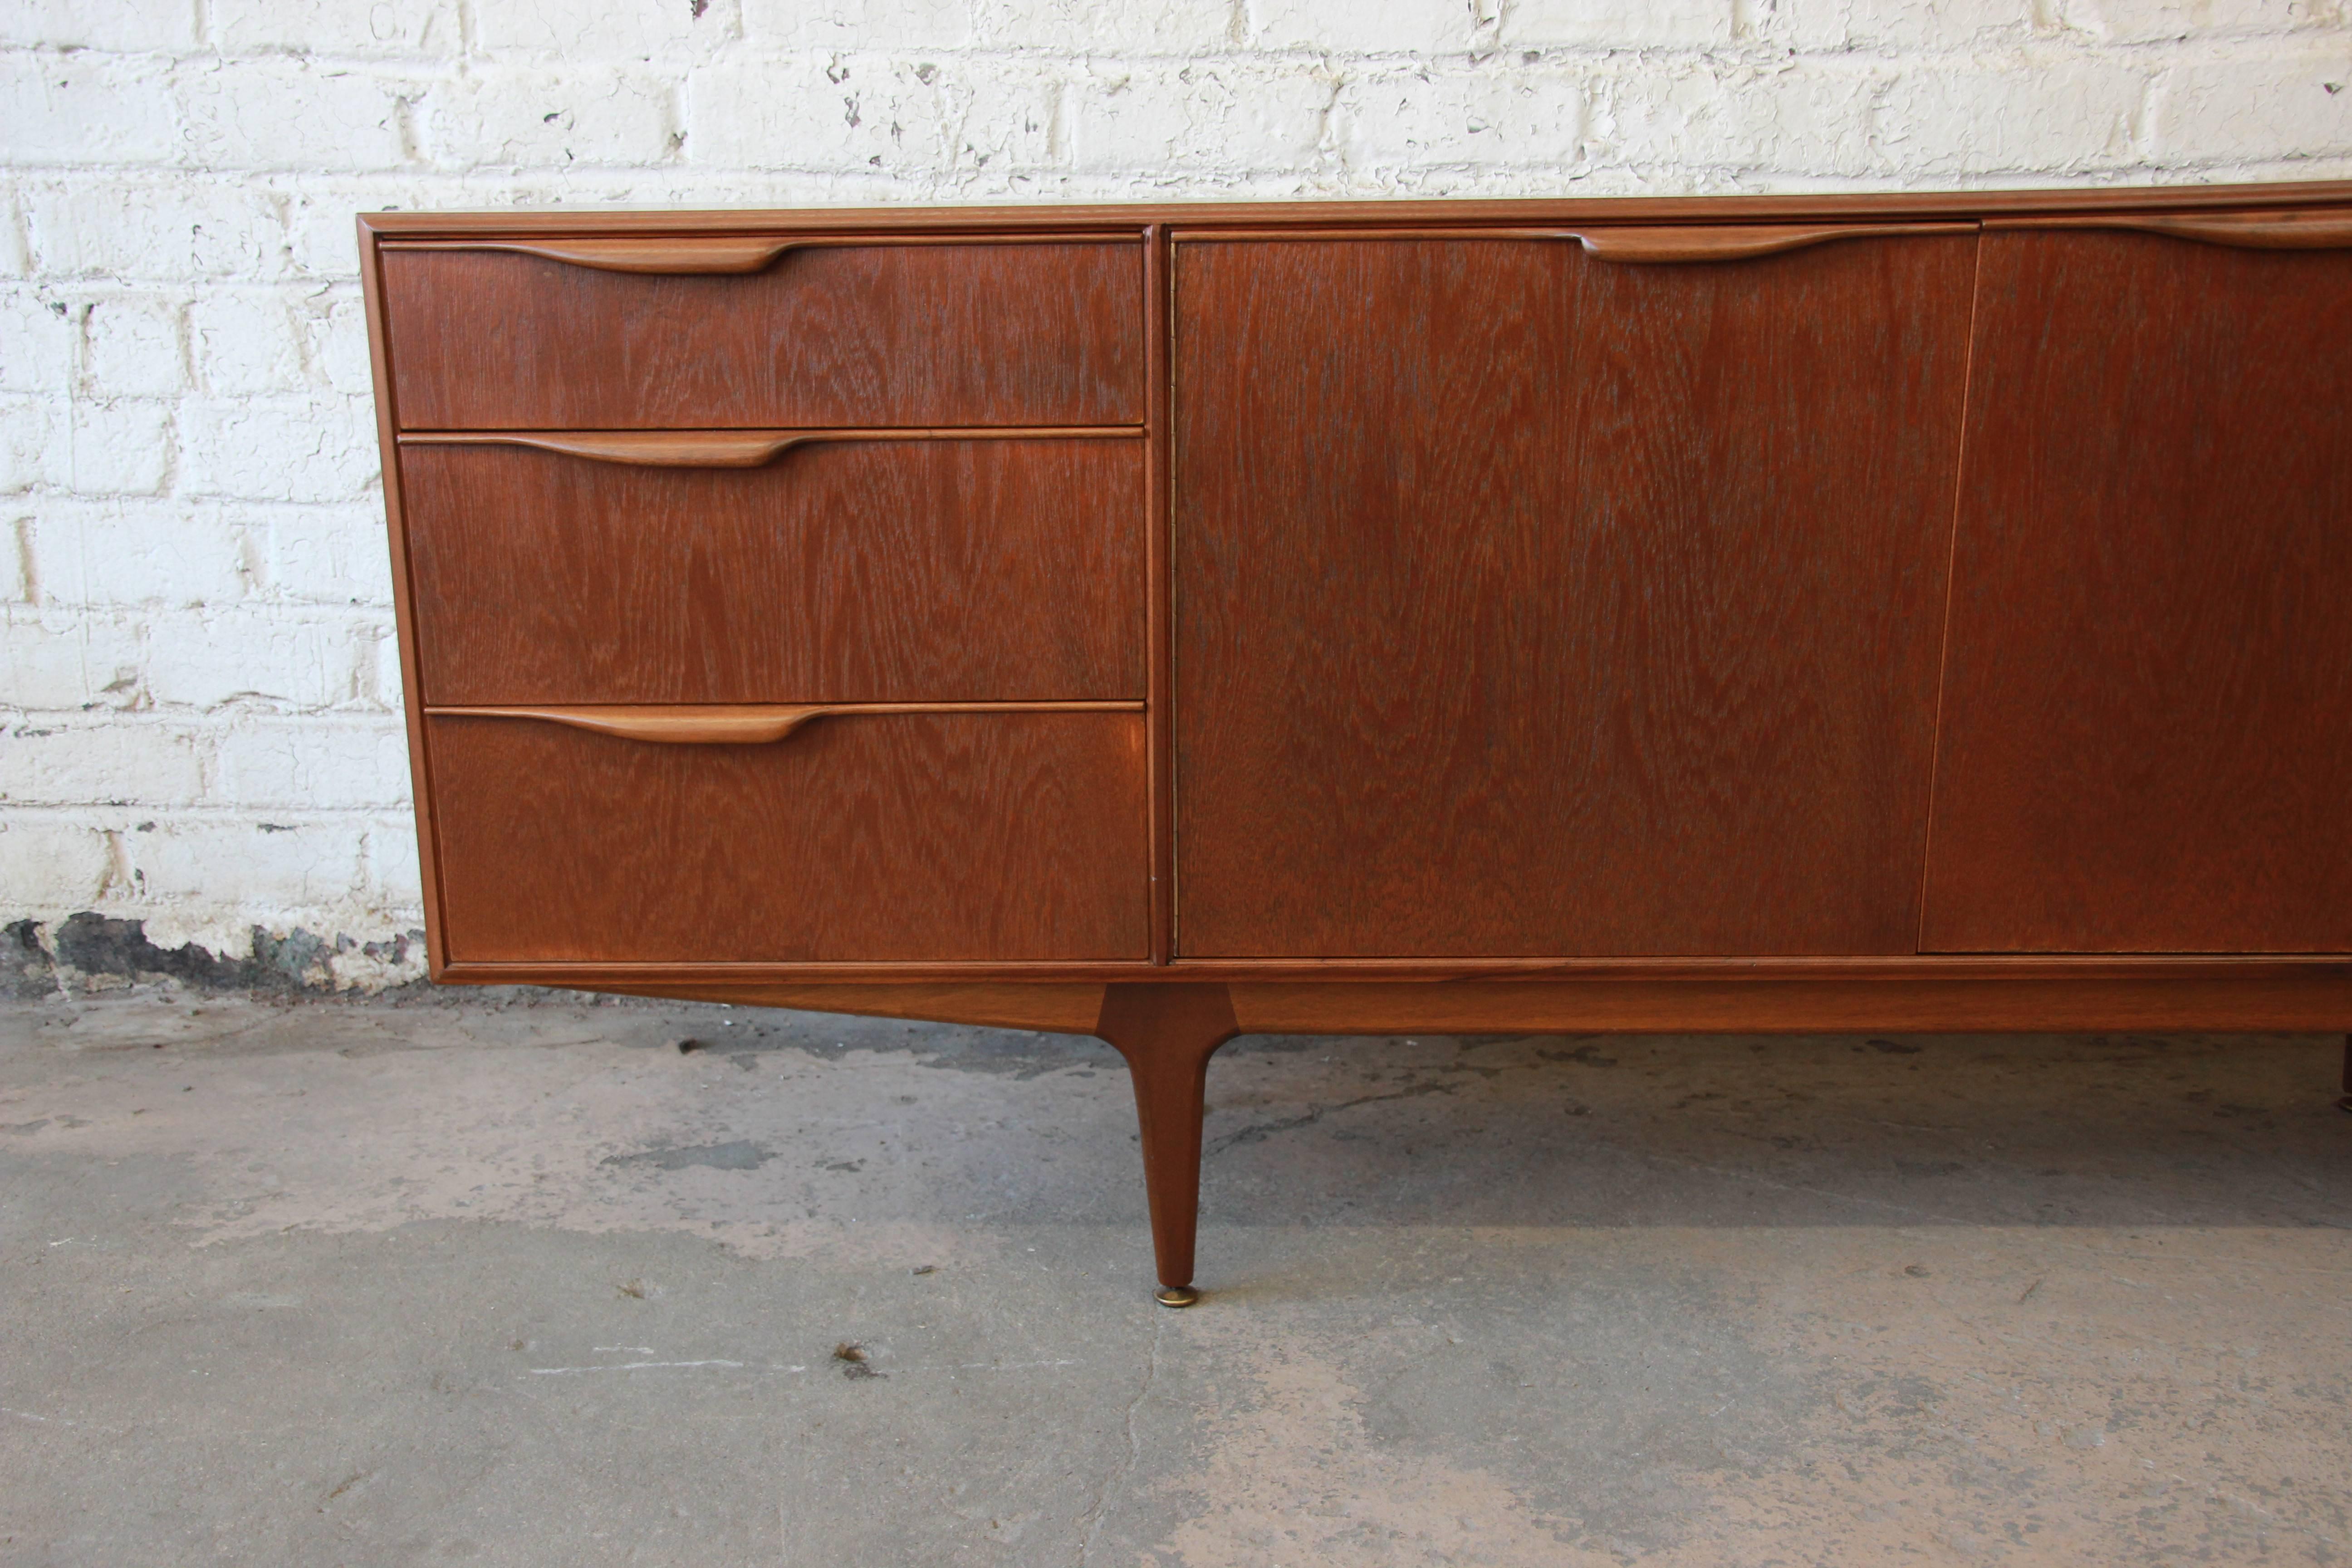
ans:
(717, 253)
(730, 449)
(746, 725)
(647, 448)
(1737, 242)
(1620, 242)
(725, 255)
(2247, 231)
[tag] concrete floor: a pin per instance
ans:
(499, 1280)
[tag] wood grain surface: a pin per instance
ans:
(2291, 972)
(1167, 1033)
(958, 837)
(1980, 1003)
(868, 335)
(1042, 1007)
(866, 571)
(1528, 604)
(2147, 738)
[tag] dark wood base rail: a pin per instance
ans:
(1809, 614)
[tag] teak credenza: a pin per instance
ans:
(1912, 612)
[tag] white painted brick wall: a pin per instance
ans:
(199, 704)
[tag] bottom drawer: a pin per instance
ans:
(869, 838)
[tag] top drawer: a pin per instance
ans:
(765, 332)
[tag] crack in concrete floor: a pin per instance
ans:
(514, 1280)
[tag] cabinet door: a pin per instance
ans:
(2147, 742)
(1530, 603)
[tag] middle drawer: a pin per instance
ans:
(776, 566)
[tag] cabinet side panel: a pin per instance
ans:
(412, 685)
(2145, 744)
(1533, 605)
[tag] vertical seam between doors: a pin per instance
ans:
(1951, 584)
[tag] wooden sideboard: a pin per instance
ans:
(1911, 612)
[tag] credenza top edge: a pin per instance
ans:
(1134, 217)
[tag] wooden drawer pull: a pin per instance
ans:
(1737, 242)
(2247, 231)
(726, 255)
(729, 448)
(649, 448)
(715, 255)
(737, 725)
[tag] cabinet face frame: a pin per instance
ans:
(2311, 988)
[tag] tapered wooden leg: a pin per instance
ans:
(1166, 1033)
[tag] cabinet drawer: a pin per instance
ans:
(822, 333)
(914, 836)
(632, 568)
